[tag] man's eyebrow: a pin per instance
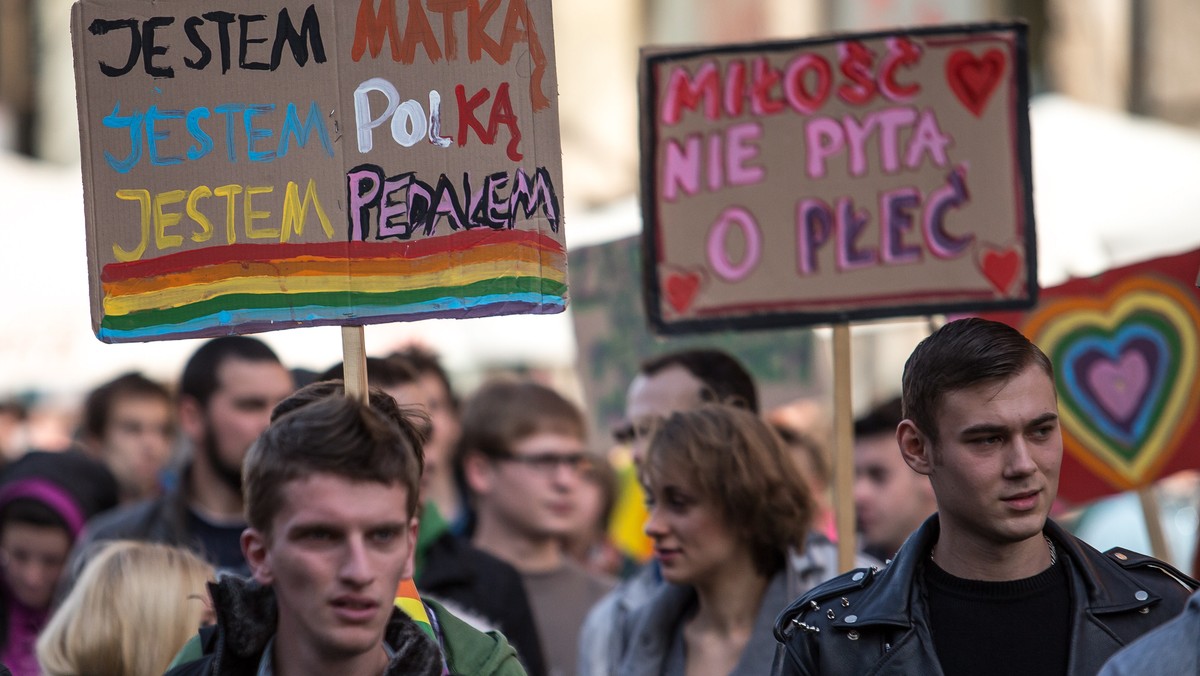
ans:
(1042, 419)
(983, 428)
(993, 428)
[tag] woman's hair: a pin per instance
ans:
(735, 461)
(133, 608)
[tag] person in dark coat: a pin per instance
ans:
(45, 499)
(988, 585)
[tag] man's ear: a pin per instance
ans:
(477, 470)
(410, 566)
(254, 548)
(191, 418)
(914, 447)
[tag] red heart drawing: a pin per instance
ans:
(1001, 267)
(682, 288)
(974, 79)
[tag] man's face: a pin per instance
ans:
(336, 553)
(429, 393)
(238, 411)
(654, 397)
(890, 499)
(446, 428)
(537, 492)
(137, 443)
(995, 468)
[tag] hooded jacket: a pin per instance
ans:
(247, 618)
(877, 622)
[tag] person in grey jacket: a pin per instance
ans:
(726, 503)
(988, 585)
(1173, 648)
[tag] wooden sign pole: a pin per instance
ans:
(1150, 512)
(843, 448)
(354, 361)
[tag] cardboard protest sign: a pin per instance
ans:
(816, 181)
(1126, 351)
(310, 163)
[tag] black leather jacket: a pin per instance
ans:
(876, 622)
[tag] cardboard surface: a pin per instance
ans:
(862, 176)
(613, 339)
(309, 163)
(1126, 351)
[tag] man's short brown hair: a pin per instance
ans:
(332, 435)
(503, 412)
(959, 355)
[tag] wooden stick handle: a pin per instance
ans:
(354, 362)
(1150, 512)
(843, 456)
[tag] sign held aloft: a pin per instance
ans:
(316, 163)
(826, 180)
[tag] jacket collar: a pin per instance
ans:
(247, 617)
(889, 600)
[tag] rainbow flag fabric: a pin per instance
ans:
(259, 287)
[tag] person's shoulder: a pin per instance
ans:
(471, 651)
(808, 612)
(125, 522)
(198, 667)
(1155, 570)
(1156, 577)
(1171, 648)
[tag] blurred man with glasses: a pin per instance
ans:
(524, 457)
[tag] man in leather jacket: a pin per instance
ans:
(988, 585)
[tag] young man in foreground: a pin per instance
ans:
(988, 585)
(331, 499)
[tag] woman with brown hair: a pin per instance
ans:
(726, 505)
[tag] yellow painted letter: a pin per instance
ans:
(143, 197)
(291, 205)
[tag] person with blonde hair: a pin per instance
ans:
(727, 504)
(134, 606)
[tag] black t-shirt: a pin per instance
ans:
(222, 544)
(1013, 627)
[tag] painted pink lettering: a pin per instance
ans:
(890, 121)
(950, 196)
(927, 139)
(718, 251)
(681, 168)
(684, 91)
(895, 207)
(741, 148)
(814, 225)
(823, 139)
(850, 226)
(794, 84)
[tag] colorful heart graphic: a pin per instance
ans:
(1121, 387)
(1128, 375)
(973, 79)
(1000, 267)
(681, 289)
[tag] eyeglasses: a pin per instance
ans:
(548, 463)
(628, 432)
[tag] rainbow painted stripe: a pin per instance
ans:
(245, 288)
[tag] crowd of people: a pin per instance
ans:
(302, 530)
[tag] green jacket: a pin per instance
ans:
(470, 652)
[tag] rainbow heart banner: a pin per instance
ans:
(1126, 351)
